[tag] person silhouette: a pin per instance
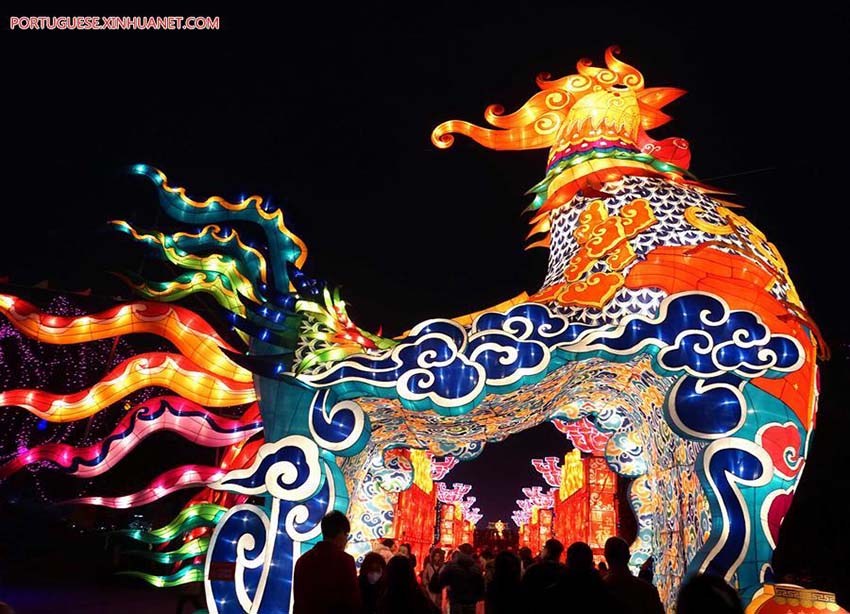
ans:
(543, 574)
(372, 581)
(386, 548)
(403, 595)
(464, 579)
(503, 591)
(705, 594)
(407, 550)
(432, 568)
(325, 578)
(526, 558)
(634, 595)
(580, 586)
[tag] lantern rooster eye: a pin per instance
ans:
(620, 87)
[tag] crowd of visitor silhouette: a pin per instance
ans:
(326, 581)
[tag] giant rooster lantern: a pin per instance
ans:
(665, 318)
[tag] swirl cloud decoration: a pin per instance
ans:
(666, 320)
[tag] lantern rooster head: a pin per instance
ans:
(594, 105)
(595, 125)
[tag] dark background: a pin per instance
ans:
(328, 113)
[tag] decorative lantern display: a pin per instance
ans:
(585, 508)
(458, 525)
(447, 526)
(791, 599)
(414, 512)
(667, 338)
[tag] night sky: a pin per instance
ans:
(329, 114)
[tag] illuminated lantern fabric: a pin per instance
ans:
(790, 599)
(194, 422)
(468, 529)
(602, 491)
(414, 520)
(520, 517)
(544, 518)
(571, 519)
(459, 526)
(455, 494)
(573, 476)
(447, 524)
(540, 499)
(205, 381)
(549, 468)
(474, 517)
(522, 542)
(534, 530)
(583, 435)
(666, 320)
(414, 513)
(454, 512)
(585, 507)
(441, 468)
